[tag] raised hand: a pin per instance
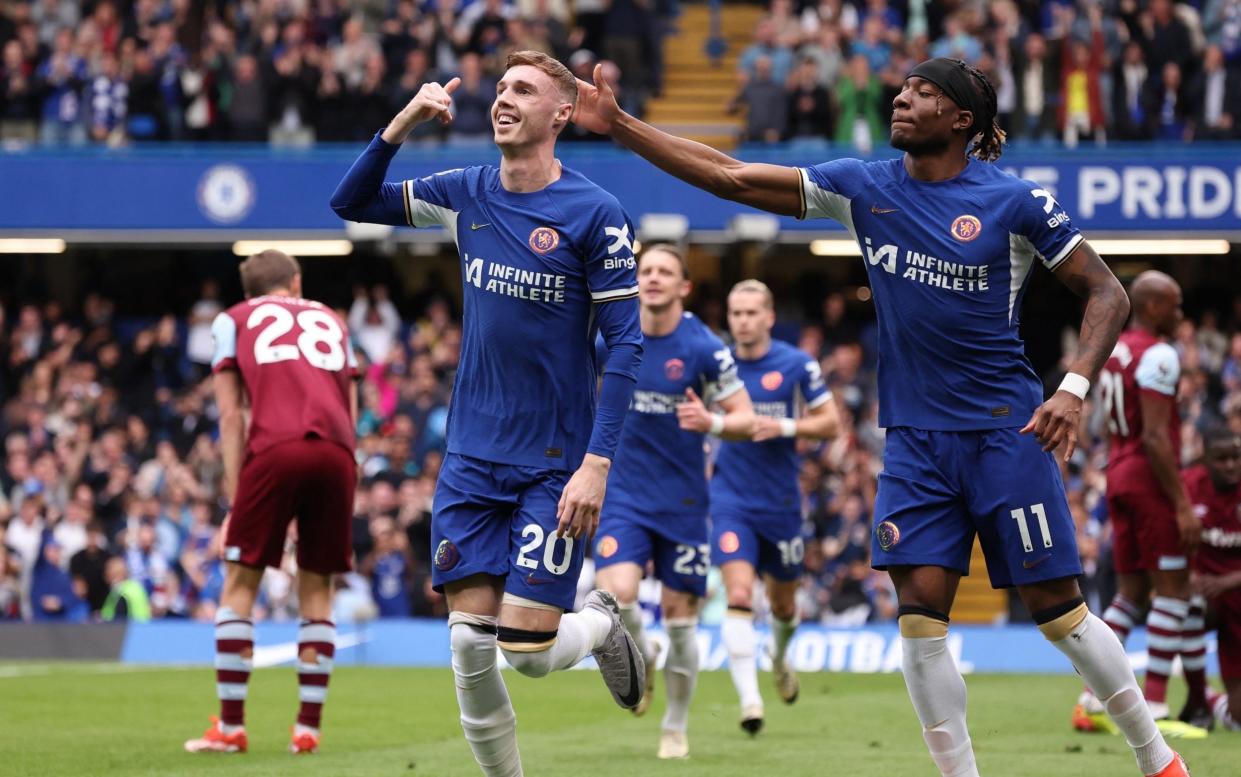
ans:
(433, 101)
(597, 109)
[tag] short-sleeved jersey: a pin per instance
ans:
(1140, 364)
(948, 263)
(533, 266)
(1220, 513)
(296, 363)
(761, 477)
(660, 468)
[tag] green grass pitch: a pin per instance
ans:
(100, 720)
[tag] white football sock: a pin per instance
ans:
(782, 635)
(680, 671)
(487, 715)
(741, 641)
(579, 633)
(631, 616)
(938, 693)
(1100, 659)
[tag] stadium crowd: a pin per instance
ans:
(1072, 70)
(107, 71)
(109, 492)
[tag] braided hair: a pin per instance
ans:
(990, 138)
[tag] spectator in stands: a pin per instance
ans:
(1167, 113)
(873, 43)
(1164, 38)
(778, 56)
(52, 591)
(417, 72)
(858, 121)
(1082, 114)
(127, 599)
(1129, 100)
(825, 51)
(1221, 22)
(389, 565)
(957, 42)
(472, 101)
(765, 102)
(18, 95)
(809, 104)
(247, 113)
(87, 567)
(1215, 96)
(374, 322)
(629, 31)
(62, 77)
(10, 585)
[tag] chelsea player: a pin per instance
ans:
(949, 242)
(547, 260)
(657, 504)
(756, 518)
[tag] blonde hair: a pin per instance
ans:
(757, 287)
(560, 75)
(667, 248)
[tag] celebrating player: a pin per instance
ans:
(657, 505)
(547, 259)
(756, 520)
(1153, 526)
(949, 243)
(288, 358)
(1215, 493)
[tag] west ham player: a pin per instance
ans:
(949, 243)
(657, 504)
(1215, 493)
(290, 360)
(756, 518)
(1153, 526)
(547, 260)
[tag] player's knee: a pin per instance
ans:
(473, 642)
(785, 611)
(921, 622)
(529, 652)
(1058, 621)
(740, 598)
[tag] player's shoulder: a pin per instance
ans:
(694, 330)
(849, 176)
(580, 189)
(786, 355)
(1159, 354)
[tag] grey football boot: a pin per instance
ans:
(620, 661)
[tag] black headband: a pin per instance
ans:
(955, 81)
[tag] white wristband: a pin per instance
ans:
(1076, 385)
(788, 427)
(717, 425)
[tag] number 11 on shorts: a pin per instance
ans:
(1019, 515)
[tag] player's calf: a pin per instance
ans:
(487, 716)
(316, 646)
(937, 689)
(1099, 657)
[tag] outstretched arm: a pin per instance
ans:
(1107, 307)
(773, 188)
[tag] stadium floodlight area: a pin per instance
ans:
(32, 245)
(295, 247)
(663, 227)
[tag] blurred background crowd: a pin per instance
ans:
(109, 492)
(299, 71)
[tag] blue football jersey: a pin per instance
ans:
(533, 267)
(761, 477)
(948, 263)
(660, 468)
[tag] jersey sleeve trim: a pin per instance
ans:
(224, 332)
(614, 294)
(425, 214)
(722, 391)
(1058, 259)
(818, 202)
(820, 400)
(801, 193)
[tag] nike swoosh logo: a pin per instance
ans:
(532, 580)
(1032, 564)
(878, 211)
(632, 698)
(478, 226)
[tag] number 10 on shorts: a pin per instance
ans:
(1019, 515)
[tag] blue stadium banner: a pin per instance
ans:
(1125, 189)
(424, 642)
